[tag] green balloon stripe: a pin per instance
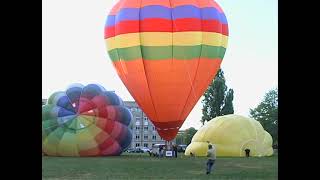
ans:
(73, 124)
(166, 52)
(46, 112)
(49, 125)
(54, 139)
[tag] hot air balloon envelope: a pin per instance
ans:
(166, 52)
(85, 121)
(232, 135)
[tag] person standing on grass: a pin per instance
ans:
(211, 154)
(175, 148)
(160, 151)
(247, 152)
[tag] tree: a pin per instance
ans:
(218, 100)
(228, 105)
(188, 135)
(179, 139)
(267, 113)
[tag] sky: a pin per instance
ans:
(74, 51)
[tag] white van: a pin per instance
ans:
(155, 149)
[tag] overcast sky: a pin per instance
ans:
(74, 51)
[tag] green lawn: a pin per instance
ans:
(141, 166)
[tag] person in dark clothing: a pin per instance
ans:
(247, 152)
(160, 151)
(175, 149)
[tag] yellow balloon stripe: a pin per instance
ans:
(167, 39)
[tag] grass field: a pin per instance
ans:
(141, 166)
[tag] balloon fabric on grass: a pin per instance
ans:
(85, 121)
(232, 135)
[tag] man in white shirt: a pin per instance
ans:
(211, 154)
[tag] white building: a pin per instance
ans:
(144, 133)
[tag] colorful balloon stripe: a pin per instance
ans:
(166, 3)
(167, 52)
(163, 25)
(180, 12)
(167, 39)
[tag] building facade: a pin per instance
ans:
(144, 133)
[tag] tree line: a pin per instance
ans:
(218, 101)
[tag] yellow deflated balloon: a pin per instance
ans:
(231, 135)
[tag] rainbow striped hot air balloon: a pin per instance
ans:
(166, 52)
(85, 121)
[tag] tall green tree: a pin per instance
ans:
(218, 100)
(267, 113)
(228, 105)
(188, 135)
(180, 139)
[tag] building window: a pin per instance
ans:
(137, 136)
(154, 137)
(153, 128)
(137, 123)
(145, 123)
(145, 137)
(137, 127)
(137, 144)
(145, 128)
(152, 144)
(145, 118)
(145, 145)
